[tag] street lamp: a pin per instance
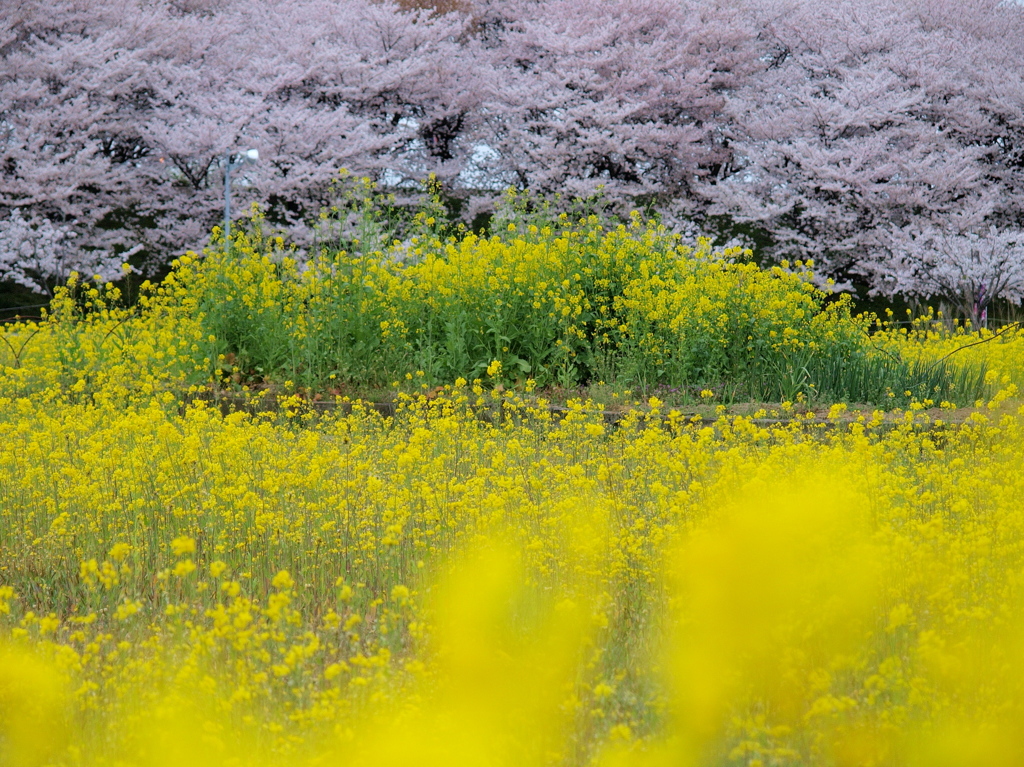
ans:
(249, 157)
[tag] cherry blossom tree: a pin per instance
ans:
(625, 94)
(967, 270)
(116, 117)
(874, 116)
(39, 255)
(397, 76)
(859, 132)
(58, 163)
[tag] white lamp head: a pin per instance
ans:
(252, 155)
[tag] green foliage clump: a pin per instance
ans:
(564, 301)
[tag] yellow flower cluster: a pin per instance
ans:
(89, 348)
(932, 340)
(706, 319)
(480, 579)
(562, 304)
(523, 589)
(632, 306)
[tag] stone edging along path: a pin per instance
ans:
(925, 420)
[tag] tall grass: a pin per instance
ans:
(872, 378)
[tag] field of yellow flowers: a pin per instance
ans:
(332, 586)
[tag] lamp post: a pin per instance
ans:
(249, 157)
